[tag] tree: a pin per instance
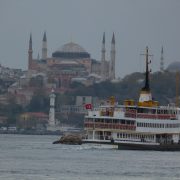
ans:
(11, 110)
(39, 102)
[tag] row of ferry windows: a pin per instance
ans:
(156, 111)
(134, 136)
(155, 125)
(120, 121)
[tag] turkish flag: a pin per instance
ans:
(88, 106)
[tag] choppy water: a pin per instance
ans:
(25, 157)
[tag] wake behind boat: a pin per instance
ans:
(144, 125)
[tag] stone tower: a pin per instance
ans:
(44, 47)
(103, 52)
(52, 121)
(112, 61)
(30, 53)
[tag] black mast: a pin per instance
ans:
(146, 87)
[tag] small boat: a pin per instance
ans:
(144, 125)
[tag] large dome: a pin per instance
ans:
(71, 47)
(71, 51)
(173, 67)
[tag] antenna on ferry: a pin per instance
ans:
(147, 85)
(145, 94)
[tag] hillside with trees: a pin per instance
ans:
(163, 88)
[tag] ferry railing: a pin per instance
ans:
(157, 116)
(130, 114)
(134, 114)
(96, 125)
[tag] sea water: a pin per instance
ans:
(30, 157)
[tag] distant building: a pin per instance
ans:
(32, 120)
(83, 100)
(3, 120)
(68, 64)
(71, 61)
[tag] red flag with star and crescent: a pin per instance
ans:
(88, 106)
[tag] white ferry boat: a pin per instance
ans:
(144, 125)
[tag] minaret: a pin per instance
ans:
(112, 62)
(30, 53)
(44, 47)
(52, 109)
(162, 60)
(103, 51)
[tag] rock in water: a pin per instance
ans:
(69, 139)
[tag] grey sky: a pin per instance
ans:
(136, 23)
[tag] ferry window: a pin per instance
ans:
(127, 122)
(122, 121)
(115, 120)
(145, 110)
(140, 110)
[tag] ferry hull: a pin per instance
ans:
(132, 146)
(161, 147)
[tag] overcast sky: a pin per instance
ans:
(136, 23)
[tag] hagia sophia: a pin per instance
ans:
(71, 63)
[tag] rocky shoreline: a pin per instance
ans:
(71, 139)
